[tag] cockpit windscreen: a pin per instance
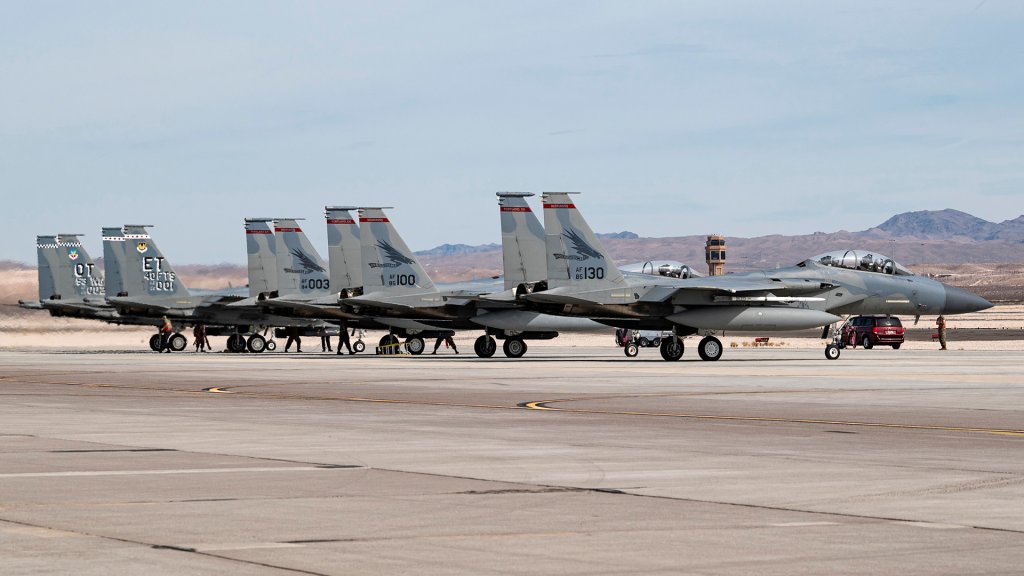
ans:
(863, 260)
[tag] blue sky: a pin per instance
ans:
(672, 118)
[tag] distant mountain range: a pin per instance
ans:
(924, 237)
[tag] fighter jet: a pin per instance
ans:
(814, 293)
(152, 288)
(397, 288)
(70, 284)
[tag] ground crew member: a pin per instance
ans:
(165, 335)
(325, 341)
(447, 339)
(293, 336)
(343, 339)
(201, 342)
(941, 323)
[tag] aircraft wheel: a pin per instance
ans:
(645, 343)
(236, 343)
(415, 345)
(271, 345)
(177, 342)
(514, 347)
(485, 346)
(866, 343)
(154, 342)
(710, 348)
(832, 352)
(631, 350)
(895, 346)
(358, 346)
(656, 342)
(256, 344)
(671, 348)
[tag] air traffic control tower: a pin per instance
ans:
(714, 253)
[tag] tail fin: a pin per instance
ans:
(76, 274)
(113, 261)
(46, 252)
(343, 248)
(260, 244)
(522, 241)
(146, 271)
(300, 269)
(575, 256)
(388, 264)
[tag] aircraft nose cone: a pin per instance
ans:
(961, 301)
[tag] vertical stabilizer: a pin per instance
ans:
(300, 269)
(46, 252)
(113, 261)
(343, 248)
(575, 256)
(522, 241)
(146, 271)
(77, 275)
(260, 244)
(388, 264)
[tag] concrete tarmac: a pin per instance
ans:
(568, 461)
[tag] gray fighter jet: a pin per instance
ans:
(814, 293)
(152, 288)
(70, 284)
(397, 289)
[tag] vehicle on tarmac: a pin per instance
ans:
(870, 331)
(631, 341)
(817, 292)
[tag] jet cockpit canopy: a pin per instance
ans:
(667, 268)
(863, 260)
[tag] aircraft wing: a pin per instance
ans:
(30, 304)
(390, 301)
(739, 289)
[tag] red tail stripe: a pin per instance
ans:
(257, 232)
(559, 206)
(515, 209)
(342, 221)
(374, 220)
(287, 229)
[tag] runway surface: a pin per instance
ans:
(568, 461)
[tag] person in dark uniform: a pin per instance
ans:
(343, 339)
(447, 339)
(293, 336)
(325, 341)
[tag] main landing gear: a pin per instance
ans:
(176, 342)
(485, 346)
(710, 348)
(514, 347)
(671, 348)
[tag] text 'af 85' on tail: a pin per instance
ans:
(575, 256)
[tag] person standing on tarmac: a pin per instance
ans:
(941, 323)
(343, 339)
(165, 335)
(447, 339)
(325, 341)
(201, 341)
(293, 336)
